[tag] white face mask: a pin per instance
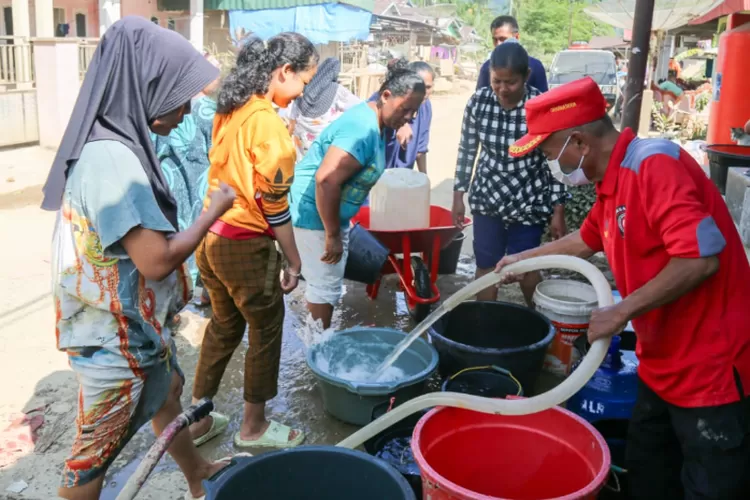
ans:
(576, 178)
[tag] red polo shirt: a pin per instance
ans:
(656, 203)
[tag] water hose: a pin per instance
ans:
(570, 386)
(185, 419)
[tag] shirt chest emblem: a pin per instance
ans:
(620, 218)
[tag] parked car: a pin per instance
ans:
(572, 64)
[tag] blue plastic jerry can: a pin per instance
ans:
(611, 392)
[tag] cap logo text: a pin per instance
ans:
(533, 143)
(563, 107)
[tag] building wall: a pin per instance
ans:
(145, 8)
(149, 10)
(72, 7)
(90, 8)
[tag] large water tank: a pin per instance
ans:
(730, 107)
(400, 201)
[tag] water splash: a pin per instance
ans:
(311, 331)
(346, 358)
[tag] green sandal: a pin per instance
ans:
(218, 425)
(276, 436)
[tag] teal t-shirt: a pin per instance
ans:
(671, 87)
(358, 133)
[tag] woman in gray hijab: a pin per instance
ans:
(118, 273)
(322, 103)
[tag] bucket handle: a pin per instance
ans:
(496, 368)
(615, 473)
(389, 403)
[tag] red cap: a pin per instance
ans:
(571, 105)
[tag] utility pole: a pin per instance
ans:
(640, 44)
(570, 24)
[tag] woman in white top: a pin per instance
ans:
(322, 103)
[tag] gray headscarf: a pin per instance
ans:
(139, 72)
(321, 91)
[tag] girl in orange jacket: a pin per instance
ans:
(253, 153)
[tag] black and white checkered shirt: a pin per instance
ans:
(519, 190)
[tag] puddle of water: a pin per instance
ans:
(116, 481)
(401, 307)
(128, 461)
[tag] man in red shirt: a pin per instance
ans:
(683, 273)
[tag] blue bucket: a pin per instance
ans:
(356, 402)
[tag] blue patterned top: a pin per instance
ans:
(107, 312)
(184, 160)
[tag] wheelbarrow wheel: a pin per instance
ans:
(422, 288)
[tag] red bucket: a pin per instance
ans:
(466, 455)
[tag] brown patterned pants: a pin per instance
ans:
(242, 279)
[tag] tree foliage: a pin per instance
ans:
(544, 24)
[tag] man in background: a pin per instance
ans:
(503, 28)
(670, 84)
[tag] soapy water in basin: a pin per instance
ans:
(346, 358)
(355, 361)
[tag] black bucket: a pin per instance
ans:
(510, 336)
(485, 381)
(721, 158)
(393, 445)
(309, 472)
(366, 256)
(450, 255)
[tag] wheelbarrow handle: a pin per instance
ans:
(193, 414)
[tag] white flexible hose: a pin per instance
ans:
(571, 385)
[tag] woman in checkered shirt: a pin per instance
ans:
(512, 200)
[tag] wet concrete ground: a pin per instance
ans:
(298, 403)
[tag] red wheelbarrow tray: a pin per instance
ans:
(428, 242)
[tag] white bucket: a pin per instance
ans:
(568, 305)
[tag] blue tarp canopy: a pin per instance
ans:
(321, 24)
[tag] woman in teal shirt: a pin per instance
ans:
(333, 180)
(183, 155)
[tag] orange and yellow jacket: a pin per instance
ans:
(253, 153)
